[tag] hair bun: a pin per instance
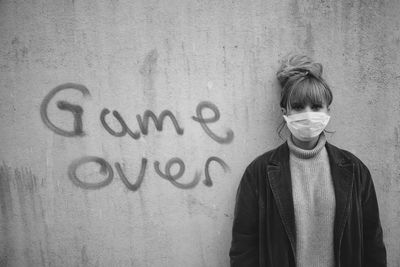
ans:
(297, 65)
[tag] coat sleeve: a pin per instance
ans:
(374, 248)
(244, 246)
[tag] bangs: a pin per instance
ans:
(310, 91)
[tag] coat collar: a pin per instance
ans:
(342, 171)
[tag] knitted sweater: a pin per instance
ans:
(314, 204)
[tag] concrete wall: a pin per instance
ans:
(76, 190)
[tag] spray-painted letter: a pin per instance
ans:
(208, 182)
(76, 110)
(173, 177)
(125, 128)
(203, 122)
(105, 168)
(158, 122)
(139, 181)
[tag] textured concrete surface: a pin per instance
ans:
(78, 188)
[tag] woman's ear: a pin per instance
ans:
(283, 111)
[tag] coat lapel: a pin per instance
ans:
(342, 170)
(278, 170)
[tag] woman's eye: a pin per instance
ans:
(297, 107)
(316, 107)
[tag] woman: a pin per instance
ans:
(307, 202)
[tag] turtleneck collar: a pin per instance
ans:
(304, 153)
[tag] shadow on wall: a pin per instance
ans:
(23, 224)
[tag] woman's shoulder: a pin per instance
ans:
(343, 156)
(264, 159)
(256, 171)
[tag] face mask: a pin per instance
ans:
(307, 125)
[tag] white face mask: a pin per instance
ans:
(307, 125)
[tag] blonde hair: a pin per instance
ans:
(302, 83)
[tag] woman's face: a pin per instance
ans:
(300, 108)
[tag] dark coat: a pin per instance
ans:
(263, 232)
